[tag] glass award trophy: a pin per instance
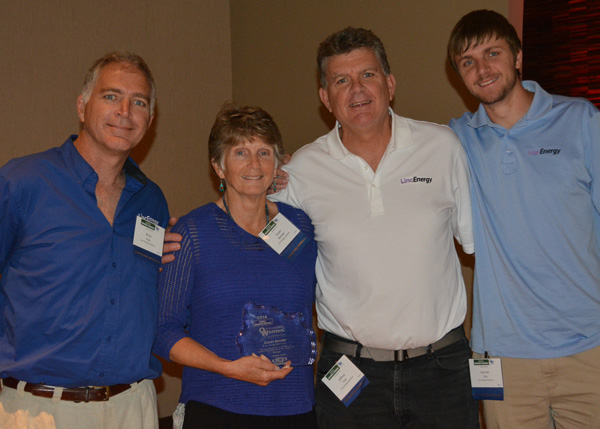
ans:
(277, 335)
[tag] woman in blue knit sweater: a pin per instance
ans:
(222, 266)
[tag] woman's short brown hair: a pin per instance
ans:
(235, 124)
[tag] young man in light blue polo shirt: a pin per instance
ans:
(534, 160)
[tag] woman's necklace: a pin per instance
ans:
(229, 213)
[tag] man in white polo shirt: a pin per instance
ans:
(387, 196)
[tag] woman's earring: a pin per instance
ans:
(274, 187)
(222, 185)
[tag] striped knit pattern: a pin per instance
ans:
(219, 268)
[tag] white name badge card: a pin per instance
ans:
(345, 380)
(486, 379)
(283, 237)
(279, 233)
(148, 237)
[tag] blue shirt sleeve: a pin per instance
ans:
(593, 155)
(9, 213)
(174, 291)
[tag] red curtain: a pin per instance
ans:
(561, 46)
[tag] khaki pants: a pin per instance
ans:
(134, 408)
(546, 393)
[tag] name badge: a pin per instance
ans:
(486, 379)
(148, 238)
(345, 380)
(283, 237)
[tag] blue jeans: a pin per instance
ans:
(429, 391)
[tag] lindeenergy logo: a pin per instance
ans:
(543, 151)
(416, 179)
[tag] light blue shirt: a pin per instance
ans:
(535, 217)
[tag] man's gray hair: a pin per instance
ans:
(127, 59)
(344, 42)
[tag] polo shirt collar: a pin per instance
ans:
(400, 138)
(541, 104)
(542, 101)
(75, 162)
(83, 171)
(132, 170)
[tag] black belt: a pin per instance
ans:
(75, 394)
(336, 344)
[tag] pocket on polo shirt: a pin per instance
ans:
(147, 268)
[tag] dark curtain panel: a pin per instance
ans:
(561, 46)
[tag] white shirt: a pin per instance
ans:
(387, 269)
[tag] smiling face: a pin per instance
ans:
(489, 70)
(248, 168)
(358, 92)
(117, 114)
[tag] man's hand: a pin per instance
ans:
(171, 243)
(281, 177)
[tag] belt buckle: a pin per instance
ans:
(106, 392)
(400, 355)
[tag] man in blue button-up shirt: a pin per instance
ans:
(534, 160)
(78, 301)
